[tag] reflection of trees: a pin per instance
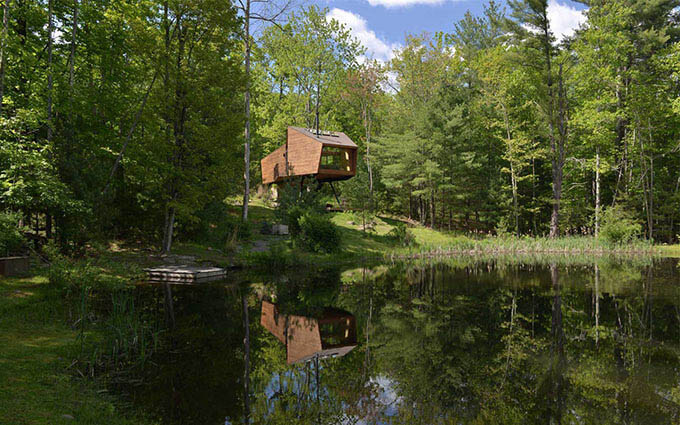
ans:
(598, 345)
(482, 343)
(191, 377)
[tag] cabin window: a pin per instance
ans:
(336, 333)
(333, 158)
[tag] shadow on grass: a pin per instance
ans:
(357, 241)
(256, 213)
(394, 221)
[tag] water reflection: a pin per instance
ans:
(430, 343)
(332, 334)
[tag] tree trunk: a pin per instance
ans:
(515, 202)
(71, 77)
(597, 192)
(533, 197)
(246, 153)
(246, 360)
(557, 141)
(3, 44)
(513, 177)
(169, 306)
(50, 31)
(558, 155)
(597, 303)
(72, 57)
(168, 229)
(316, 107)
(368, 153)
(432, 209)
(651, 197)
(558, 358)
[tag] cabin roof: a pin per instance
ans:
(334, 138)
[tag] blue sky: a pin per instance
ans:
(381, 25)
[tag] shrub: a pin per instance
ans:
(291, 197)
(618, 226)
(293, 217)
(401, 235)
(12, 240)
(317, 233)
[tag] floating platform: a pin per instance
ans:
(185, 274)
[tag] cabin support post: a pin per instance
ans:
(335, 194)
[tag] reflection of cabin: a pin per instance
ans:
(331, 335)
(328, 156)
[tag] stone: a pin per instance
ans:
(279, 229)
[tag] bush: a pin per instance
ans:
(12, 239)
(317, 233)
(291, 197)
(618, 226)
(293, 217)
(401, 235)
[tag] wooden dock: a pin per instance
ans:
(181, 274)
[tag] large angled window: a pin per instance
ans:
(333, 158)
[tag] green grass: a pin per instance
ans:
(36, 385)
(377, 245)
(671, 251)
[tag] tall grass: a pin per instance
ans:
(519, 245)
(115, 335)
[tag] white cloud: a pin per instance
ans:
(564, 19)
(402, 3)
(376, 48)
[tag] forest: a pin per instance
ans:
(141, 119)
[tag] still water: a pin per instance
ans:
(457, 341)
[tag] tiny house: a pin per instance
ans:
(332, 334)
(325, 155)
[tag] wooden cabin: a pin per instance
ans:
(328, 156)
(333, 334)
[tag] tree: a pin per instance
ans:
(531, 28)
(364, 86)
(263, 11)
(304, 65)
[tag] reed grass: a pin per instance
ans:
(36, 346)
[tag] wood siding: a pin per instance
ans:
(304, 154)
(274, 166)
(304, 159)
(272, 321)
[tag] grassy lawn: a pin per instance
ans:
(376, 244)
(672, 251)
(36, 386)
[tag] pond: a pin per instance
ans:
(454, 341)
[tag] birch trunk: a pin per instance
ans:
(246, 360)
(3, 44)
(246, 153)
(597, 192)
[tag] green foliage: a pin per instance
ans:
(72, 276)
(12, 240)
(619, 227)
(402, 236)
(216, 227)
(295, 213)
(317, 233)
(293, 196)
